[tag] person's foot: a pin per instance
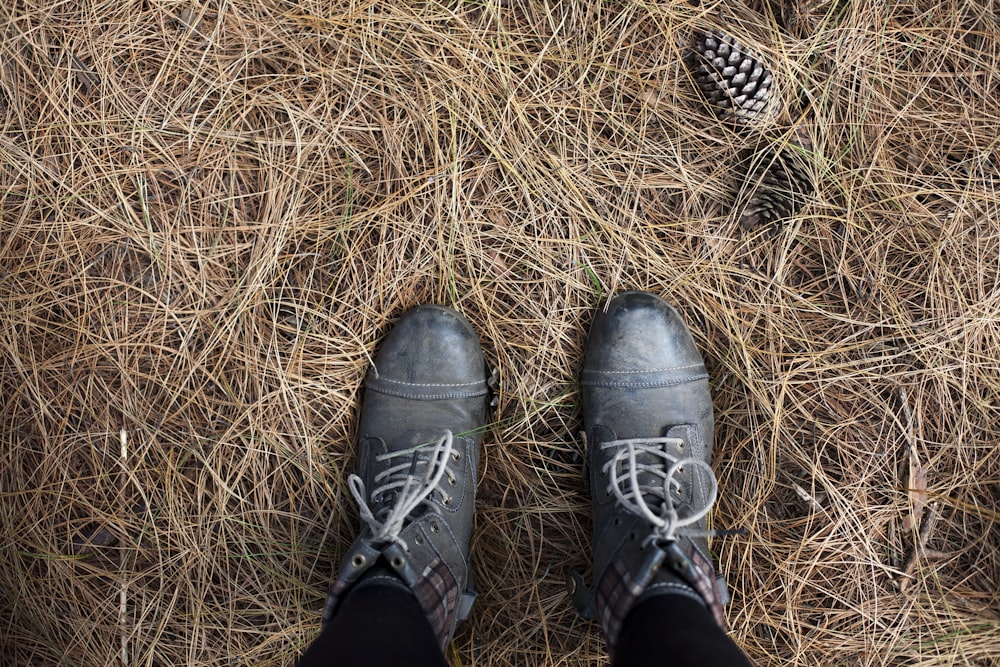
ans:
(647, 414)
(419, 438)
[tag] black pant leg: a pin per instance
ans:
(674, 631)
(376, 625)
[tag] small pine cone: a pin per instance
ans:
(780, 186)
(733, 80)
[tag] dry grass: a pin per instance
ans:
(212, 212)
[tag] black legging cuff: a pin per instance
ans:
(376, 625)
(674, 631)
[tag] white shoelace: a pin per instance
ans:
(410, 487)
(667, 524)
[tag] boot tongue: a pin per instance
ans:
(417, 463)
(652, 473)
(647, 466)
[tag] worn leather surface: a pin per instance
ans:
(429, 376)
(642, 377)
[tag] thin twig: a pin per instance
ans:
(926, 530)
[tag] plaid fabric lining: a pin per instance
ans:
(619, 588)
(704, 581)
(616, 595)
(437, 591)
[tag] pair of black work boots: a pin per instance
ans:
(647, 416)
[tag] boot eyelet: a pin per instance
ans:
(452, 481)
(617, 521)
(632, 535)
(396, 562)
(447, 501)
(434, 527)
(418, 540)
(456, 456)
(358, 561)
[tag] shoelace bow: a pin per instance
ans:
(667, 524)
(410, 488)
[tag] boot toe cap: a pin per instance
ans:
(431, 353)
(640, 341)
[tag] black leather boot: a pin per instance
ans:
(647, 415)
(419, 437)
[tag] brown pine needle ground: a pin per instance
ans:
(210, 214)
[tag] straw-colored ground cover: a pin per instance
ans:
(210, 214)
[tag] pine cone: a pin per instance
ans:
(733, 80)
(780, 185)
